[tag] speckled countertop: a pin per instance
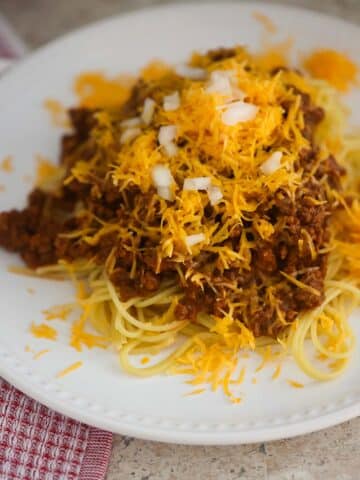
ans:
(333, 454)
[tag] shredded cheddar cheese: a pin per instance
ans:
(277, 372)
(58, 113)
(94, 89)
(334, 67)
(6, 165)
(40, 354)
(70, 369)
(265, 22)
(155, 70)
(43, 331)
(58, 312)
(197, 391)
(80, 338)
(47, 174)
(295, 384)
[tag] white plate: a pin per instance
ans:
(98, 393)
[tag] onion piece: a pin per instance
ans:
(167, 135)
(214, 194)
(171, 102)
(148, 110)
(197, 183)
(129, 134)
(163, 180)
(161, 176)
(219, 83)
(272, 164)
(238, 112)
(192, 240)
(131, 122)
(165, 193)
(193, 73)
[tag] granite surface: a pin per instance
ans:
(332, 454)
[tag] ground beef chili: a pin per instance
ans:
(300, 222)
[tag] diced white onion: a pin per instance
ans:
(165, 193)
(148, 110)
(191, 72)
(272, 164)
(129, 134)
(131, 122)
(167, 135)
(214, 194)
(161, 176)
(197, 183)
(171, 102)
(219, 83)
(163, 180)
(238, 112)
(192, 240)
(171, 149)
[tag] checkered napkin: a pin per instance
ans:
(35, 442)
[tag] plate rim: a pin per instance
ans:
(12, 372)
(184, 436)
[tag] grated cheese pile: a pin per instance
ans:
(222, 138)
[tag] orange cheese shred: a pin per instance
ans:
(155, 70)
(195, 392)
(69, 369)
(45, 169)
(43, 331)
(57, 112)
(295, 384)
(265, 22)
(6, 165)
(334, 67)
(40, 354)
(58, 312)
(95, 90)
(276, 373)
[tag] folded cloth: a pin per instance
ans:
(37, 443)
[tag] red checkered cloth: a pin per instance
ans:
(39, 444)
(35, 442)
